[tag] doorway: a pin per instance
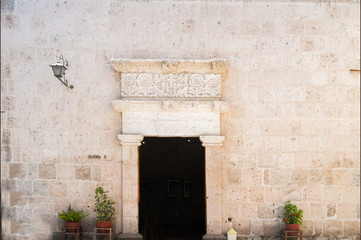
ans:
(172, 188)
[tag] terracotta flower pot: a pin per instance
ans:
(72, 225)
(103, 224)
(292, 227)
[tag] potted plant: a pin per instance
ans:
(103, 208)
(72, 218)
(292, 217)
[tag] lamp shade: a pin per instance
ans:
(58, 69)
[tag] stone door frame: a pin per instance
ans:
(170, 98)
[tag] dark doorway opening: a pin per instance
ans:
(172, 196)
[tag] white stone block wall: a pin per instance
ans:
(292, 131)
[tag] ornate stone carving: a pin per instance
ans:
(155, 85)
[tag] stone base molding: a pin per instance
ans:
(128, 236)
(214, 237)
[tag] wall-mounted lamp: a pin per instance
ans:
(59, 71)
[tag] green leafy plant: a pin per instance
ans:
(72, 215)
(292, 214)
(103, 205)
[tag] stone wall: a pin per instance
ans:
(292, 131)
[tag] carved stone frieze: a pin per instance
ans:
(156, 85)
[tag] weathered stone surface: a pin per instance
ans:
(317, 211)
(32, 171)
(234, 177)
(291, 194)
(352, 228)
(6, 153)
(273, 194)
(7, 6)
(65, 172)
(257, 228)
(266, 177)
(265, 210)
(243, 227)
(349, 194)
(312, 194)
(57, 189)
(254, 176)
(307, 228)
(316, 177)
(355, 177)
(319, 228)
(346, 211)
(256, 194)
(332, 228)
(331, 210)
(271, 228)
(278, 210)
(247, 211)
(41, 187)
(267, 160)
(17, 199)
(280, 177)
(96, 173)
(83, 172)
(332, 195)
(350, 160)
(47, 171)
(299, 178)
(17, 170)
(50, 156)
(110, 172)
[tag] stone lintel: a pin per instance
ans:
(211, 141)
(130, 140)
(169, 106)
(217, 66)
